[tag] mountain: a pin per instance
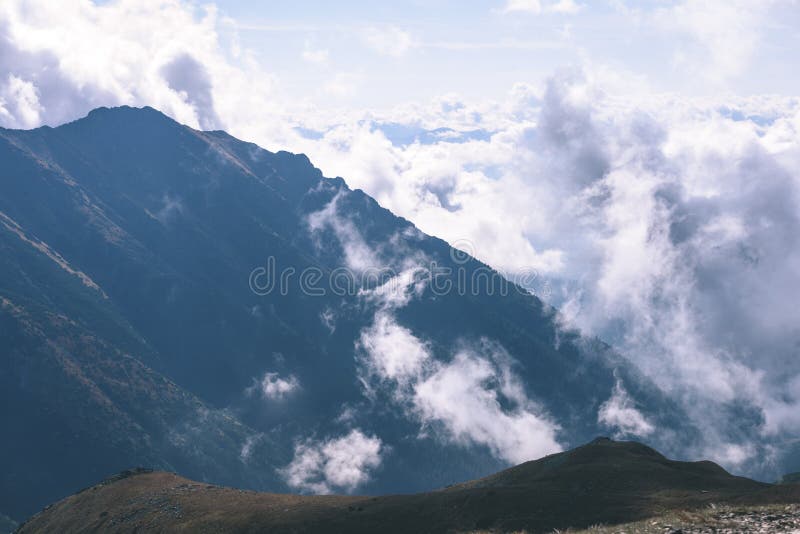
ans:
(190, 302)
(603, 482)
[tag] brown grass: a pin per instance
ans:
(604, 483)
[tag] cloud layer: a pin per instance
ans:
(666, 226)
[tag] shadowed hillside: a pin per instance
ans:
(602, 482)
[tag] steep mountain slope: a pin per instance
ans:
(141, 326)
(77, 399)
(604, 482)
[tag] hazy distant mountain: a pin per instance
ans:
(139, 326)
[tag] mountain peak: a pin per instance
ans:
(123, 109)
(175, 226)
(122, 117)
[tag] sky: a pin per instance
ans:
(384, 53)
(392, 51)
(638, 161)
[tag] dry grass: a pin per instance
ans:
(613, 483)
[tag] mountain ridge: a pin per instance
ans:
(602, 482)
(170, 223)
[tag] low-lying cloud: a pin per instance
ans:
(473, 399)
(334, 464)
(621, 414)
(273, 386)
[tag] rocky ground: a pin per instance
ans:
(714, 520)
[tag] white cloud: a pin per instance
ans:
(456, 396)
(274, 387)
(727, 31)
(620, 413)
(328, 319)
(566, 6)
(398, 290)
(475, 399)
(683, 250)
(528, 6)
(170, 207)
(393, 351)
(536, 6)
(19, 103)
(358, 255)
(64, 59)
(315, 55)
(247, 447)
(388, 40)
(436, 185)
(731, 454)
(342, 84)
(660, 221)
(336, 464)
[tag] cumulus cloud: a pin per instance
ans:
(274, 387)
(185, 75)
(474, 399)
(60, 60)
(335, 464)
(690, 222)
(394, 353)
(620, 413)
(19, 103)
(457, 396)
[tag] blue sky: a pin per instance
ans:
(479, 49)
